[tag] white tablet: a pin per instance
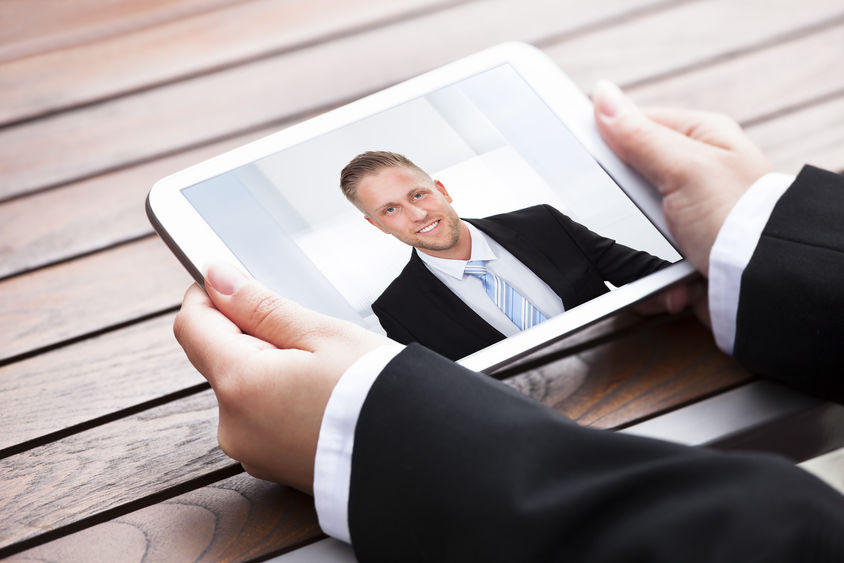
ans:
(513, 145)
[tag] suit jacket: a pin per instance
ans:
(449, 465)
(797, 280)
(571, 259)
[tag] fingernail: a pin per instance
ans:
(608, 98)
(224, 278)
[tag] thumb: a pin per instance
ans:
(261, 313)
(657, 152)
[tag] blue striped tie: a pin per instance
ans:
(518, 309)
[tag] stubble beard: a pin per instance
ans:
(452, 224)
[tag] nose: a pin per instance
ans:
(417, 213)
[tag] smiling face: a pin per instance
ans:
(415, 209)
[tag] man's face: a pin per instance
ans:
(411, 207)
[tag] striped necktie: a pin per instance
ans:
(518, 309)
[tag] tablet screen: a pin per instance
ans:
(286, 219)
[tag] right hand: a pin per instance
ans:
(700, 162)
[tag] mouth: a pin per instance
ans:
(428, 228)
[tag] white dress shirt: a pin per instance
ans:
(730, 254)
(470, 289)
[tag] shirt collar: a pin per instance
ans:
(481, 250)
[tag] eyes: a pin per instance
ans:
(415, 196)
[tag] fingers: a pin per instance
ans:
(654, 150)
(710, 128)
(285, 324)
(263, 314)
(211, 341)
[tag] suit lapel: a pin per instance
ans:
(439, 296)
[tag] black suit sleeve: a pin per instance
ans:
(790, 319)
(449, 465)
(617, 264)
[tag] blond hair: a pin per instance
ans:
(371, 162)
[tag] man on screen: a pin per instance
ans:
(472, 282)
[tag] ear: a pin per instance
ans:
(374, 224)
(442, 190)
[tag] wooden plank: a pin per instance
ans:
(91, 214)
(34, 26)
(73, 385)
(107, 467)
(636, 376)
(94, 139)
(122, 63)
(72, 299)
(237, 519)
(801, 72)
(663, 43)
(814, 135)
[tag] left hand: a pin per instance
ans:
(272, 367)
(701, 163)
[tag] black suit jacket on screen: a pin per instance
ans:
(571, 259)
(449, 465)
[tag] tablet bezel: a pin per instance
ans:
(196, 244)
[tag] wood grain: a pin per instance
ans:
(91, 214)
(800, 71)
(98, 70)
(72, 299)
(813, 135)
(146, 125)
(35, 26)
(237, 519)
(664, 43)
(106, 467)
(656, 368)
(76, 384)
(58, 224)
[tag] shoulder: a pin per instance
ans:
(528, 218)
(397, 290)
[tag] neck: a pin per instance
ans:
(462, 250)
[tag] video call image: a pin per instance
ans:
(464, 221)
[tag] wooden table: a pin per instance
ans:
(108, 445)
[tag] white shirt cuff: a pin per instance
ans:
(735, 244)
(333, 461)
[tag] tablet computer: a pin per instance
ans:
(500, 144)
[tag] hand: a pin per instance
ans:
(700, 162)
(272, 367)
